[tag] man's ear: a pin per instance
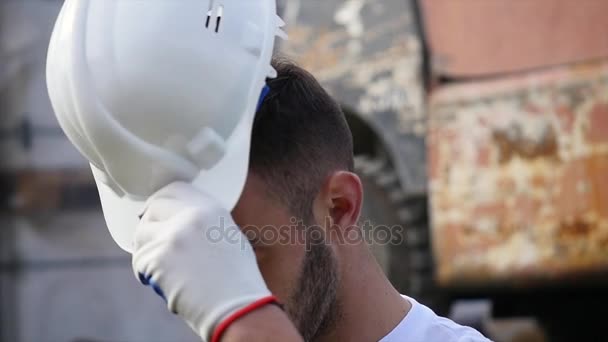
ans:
(340, 199)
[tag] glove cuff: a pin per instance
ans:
(226, 322)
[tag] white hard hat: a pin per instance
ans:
(155, 91)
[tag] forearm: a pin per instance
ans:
(265, 324)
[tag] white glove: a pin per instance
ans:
(206, 280)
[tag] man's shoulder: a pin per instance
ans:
(422, 324)
(444, 329)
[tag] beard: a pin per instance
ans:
(313, 306)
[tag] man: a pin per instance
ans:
(299, 211)
(150, 105)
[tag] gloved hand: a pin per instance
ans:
(208, 283)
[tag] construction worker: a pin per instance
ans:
(240, 210)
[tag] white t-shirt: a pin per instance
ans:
(421, 324)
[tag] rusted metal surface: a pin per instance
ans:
(480, 37)
(519, 176)
(367, 54)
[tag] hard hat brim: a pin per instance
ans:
(224, 182)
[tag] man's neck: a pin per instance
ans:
(370, 305)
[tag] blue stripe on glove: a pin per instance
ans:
(147, 280)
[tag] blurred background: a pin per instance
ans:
(481, 126)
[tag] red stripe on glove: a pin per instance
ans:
(221, 328)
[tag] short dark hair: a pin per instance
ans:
(300, 135)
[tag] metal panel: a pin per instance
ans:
(66, 280)
(75, 236)
(480, 37)
(518, 171)
(97, 303)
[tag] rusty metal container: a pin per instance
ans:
(518, 172)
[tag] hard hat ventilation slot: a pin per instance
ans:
(219, 13)
(208, 19)
(209, 13)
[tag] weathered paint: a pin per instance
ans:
(368, 55)
(365, 52)
(519, 176)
